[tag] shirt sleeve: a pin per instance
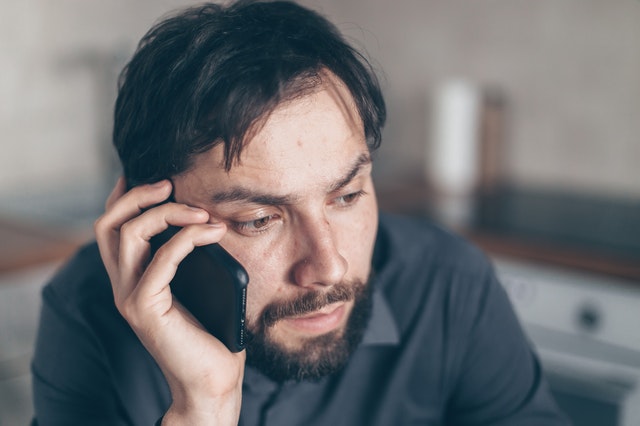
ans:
(500, 381)
(71, 383)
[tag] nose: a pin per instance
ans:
(319, 262)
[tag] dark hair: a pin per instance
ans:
(210, 73)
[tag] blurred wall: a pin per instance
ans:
(570, 71)
(59, 61)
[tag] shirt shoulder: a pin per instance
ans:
(431, 276)
(88, 364)
(421, 244)
(457, 328)
(82, 281)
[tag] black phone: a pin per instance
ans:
(212, 285)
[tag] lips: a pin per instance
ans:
(309, 304)
(322, 321)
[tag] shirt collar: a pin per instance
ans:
(382, 328)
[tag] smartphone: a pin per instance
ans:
(212, 285)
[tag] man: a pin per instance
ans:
(253, 125)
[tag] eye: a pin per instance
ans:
(349, 199)
(255, 226)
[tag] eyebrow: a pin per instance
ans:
(363, 160)
(249, 196)
(246, 195)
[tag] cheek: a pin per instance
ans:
(268, 262)
(259, 294)
(253, 307)
(263, 263)
(358, 232)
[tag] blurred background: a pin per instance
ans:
(516, 123)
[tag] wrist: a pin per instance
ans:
(199, 409)
(222, 413)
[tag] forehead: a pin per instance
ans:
(306, 141)
(324, 123)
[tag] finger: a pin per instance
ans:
(118, 191)
(121, 208)
(134, 248)
(135, 201)
(153, 287)
(105, 238)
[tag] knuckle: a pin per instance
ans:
(128, 228)
(99, 225)
(163, 254)
(128, 309)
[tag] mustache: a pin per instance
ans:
(310, 302)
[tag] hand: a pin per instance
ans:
(205, 378)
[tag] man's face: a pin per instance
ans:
(302, 218)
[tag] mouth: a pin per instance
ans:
(322, 321)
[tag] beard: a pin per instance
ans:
(318, 356)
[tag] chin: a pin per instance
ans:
(311, 356)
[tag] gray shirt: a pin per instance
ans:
(443, 347)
